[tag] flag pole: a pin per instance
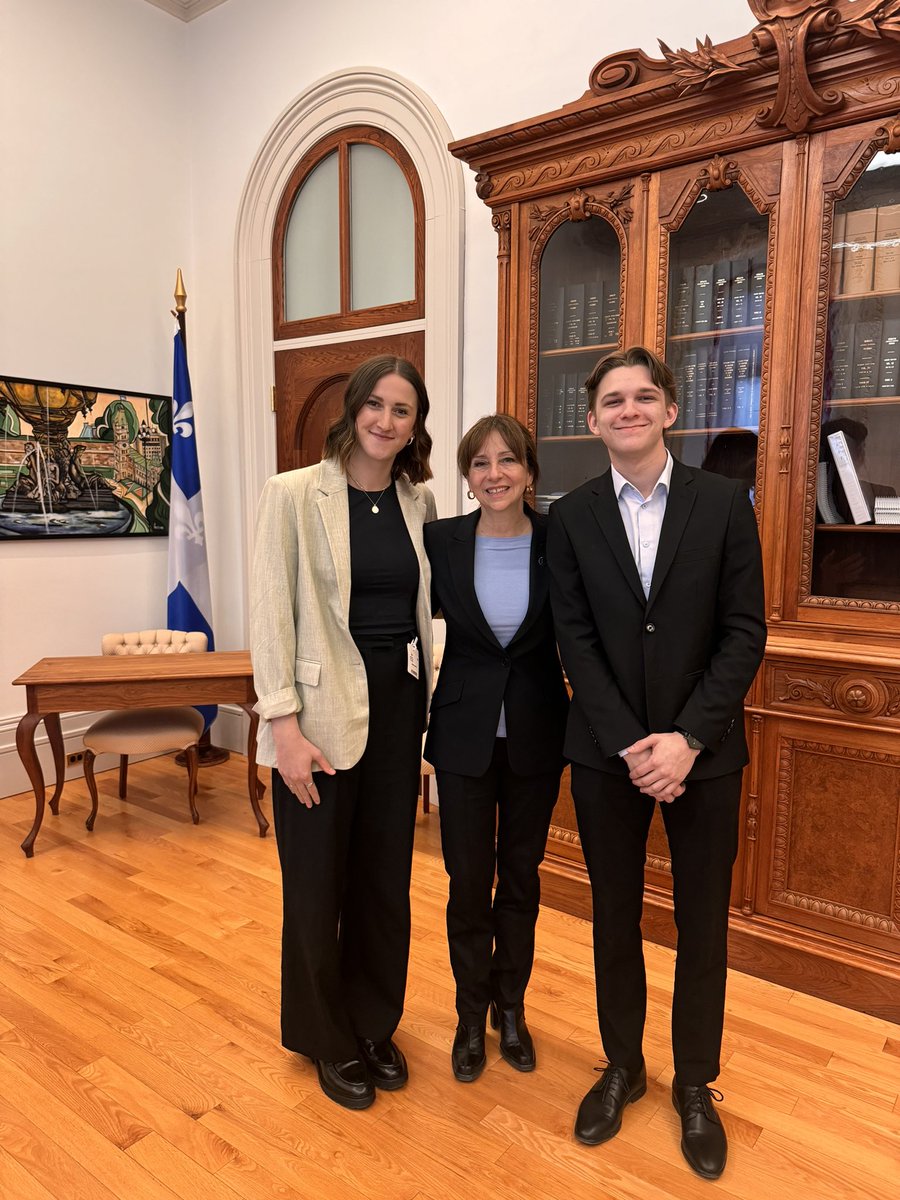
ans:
(208, 754)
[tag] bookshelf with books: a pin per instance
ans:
(746, 217)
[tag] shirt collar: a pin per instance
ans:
(620, 482)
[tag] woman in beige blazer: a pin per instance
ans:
(340, 630)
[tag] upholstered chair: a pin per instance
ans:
(146, 730)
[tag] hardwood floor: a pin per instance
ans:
(140, 1056)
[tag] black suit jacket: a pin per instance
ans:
(682, 658)
(478, 674)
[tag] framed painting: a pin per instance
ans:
(80, 462)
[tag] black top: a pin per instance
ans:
(384, 570)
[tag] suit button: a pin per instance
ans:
(505, 662)
(650, 627)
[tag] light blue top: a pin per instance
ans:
(502, 585)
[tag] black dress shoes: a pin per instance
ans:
(346, 1083)
(703, 1141)
(385, 1063)
(600, 1114)
(516, 1045)
(467, 1056)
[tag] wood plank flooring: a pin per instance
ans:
(140, 1055)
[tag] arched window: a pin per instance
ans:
(349, 237)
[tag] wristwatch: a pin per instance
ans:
(694, 743)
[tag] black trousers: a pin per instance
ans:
(702, 828)
(492, 941)
(345, 868)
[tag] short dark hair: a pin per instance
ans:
(514, 433)
(634, 356)
(341, 440)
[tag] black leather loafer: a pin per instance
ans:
(467, 1056)
(385, 1063)
(703, 1141)
(516, 1045)
(600, 1113)
(346, 1083)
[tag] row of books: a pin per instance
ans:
(719, 385)
(562, 405)
(865, 360)
(730, 294)
(866, 251)
(581, 314)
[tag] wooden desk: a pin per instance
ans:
(95, 683)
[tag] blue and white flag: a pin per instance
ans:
(189, 606)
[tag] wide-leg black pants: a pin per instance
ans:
(702, 828)
(492, 940)
(346, 866)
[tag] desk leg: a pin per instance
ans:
(32, 764)
(54, 734)
(255, 786)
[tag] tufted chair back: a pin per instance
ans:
(154, 641)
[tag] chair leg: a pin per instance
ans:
(89, 757)
(123, 775)
(426, 799)
(192, 759)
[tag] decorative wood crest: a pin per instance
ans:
(719, 173)
(581, 206)
(787, 29)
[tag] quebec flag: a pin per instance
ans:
(188, 606)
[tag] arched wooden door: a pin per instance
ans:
(348, 257)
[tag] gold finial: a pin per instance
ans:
(180, 294)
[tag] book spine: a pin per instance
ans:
(886, 273)
(724, 416)
(757, 284)
(593, 314)
(859, 252)
(888, 373)
(571, 404)
(702, 316)
(573, 326)
(701, 387)
(690, 388)
(611, 302)
(740, 293)
(713, 387)
(838, 373)
(742, 386)
(581, 407)
(721, 294)
(755, 382)
(552, 319)
(682, 300)
(859, 509)
(866, 358)
(559, 404)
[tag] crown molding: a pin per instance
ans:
(186, 10)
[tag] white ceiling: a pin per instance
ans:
(186, 9)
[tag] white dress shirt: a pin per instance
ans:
(643, 519)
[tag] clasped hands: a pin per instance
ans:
(659, 763)
(295, 755)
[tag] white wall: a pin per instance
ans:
(129, 136)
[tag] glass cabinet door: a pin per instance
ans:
(714, 332)
(580, 312)
(856, 548)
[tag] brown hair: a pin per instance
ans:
(634, 356)
(341, 440)
(513, 432)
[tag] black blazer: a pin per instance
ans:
(478, 674)
(684, 657)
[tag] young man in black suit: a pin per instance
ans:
(657, 592)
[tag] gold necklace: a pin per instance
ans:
(374, 503)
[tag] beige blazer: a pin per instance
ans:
(304, 659)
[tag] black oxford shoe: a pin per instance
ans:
(346, 1083)
(385, 1063)
(600, 1114)
(467, 1056)
(703, 1141)
(516, 1045)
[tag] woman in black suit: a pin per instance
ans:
(496, 733)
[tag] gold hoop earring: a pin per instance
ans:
(470, 494)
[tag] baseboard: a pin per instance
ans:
(228, 731)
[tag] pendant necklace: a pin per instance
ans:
(374, 503)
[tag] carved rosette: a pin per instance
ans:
(857, 694)
(778, 889)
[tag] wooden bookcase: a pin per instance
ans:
(700, 203)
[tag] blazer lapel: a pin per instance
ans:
(461, 552)
(679, 503)
(605, 508)
(335, 514)
(412, 505)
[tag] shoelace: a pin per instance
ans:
(701, 1102)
